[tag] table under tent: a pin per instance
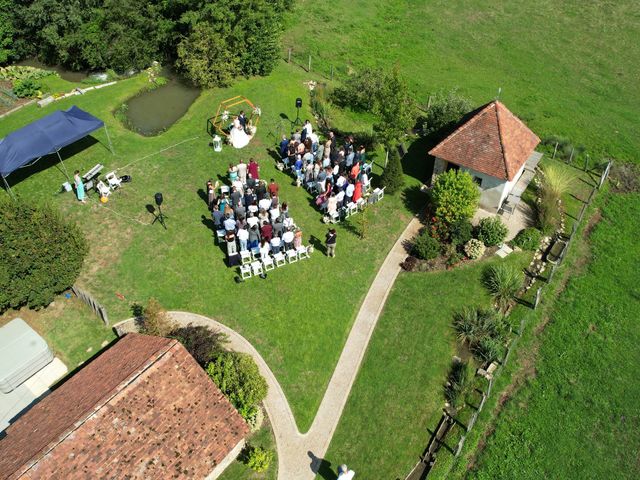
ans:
(46, 136)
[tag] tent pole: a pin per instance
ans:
(108, 139)
(8, 188)
(63, 166)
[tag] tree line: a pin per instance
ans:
(210, 42)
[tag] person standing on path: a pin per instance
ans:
(344, 473)
(77, 179)
(331, 243)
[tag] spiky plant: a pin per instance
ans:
(487, 349)
(457, 384)
(465, 324)
(503, 282)
(556, 180)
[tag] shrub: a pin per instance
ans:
(460, 232)
(26, 88)
(491, 231)
(200, 341)
(474, 249)
(41, 253)
(528, 239)
(257, 459)
(393, 176)
(503, 282)
(487, 349)
(237, 375)
(360, 90)
(445, 111)
(17, 72)
(455, 196)
(472, 324)
(425, 246)
(156, 320)
(410, 263)
(456, 384)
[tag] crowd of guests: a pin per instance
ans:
(250, 216)
(336, 173)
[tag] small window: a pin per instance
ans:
(478, 180)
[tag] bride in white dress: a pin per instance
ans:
(237, 136)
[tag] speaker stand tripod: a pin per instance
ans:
(160, 218)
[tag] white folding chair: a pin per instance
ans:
(245, 271)
(360, 203)
(220, 235)
(245, 257)
(335, 217)
(302, 252)
(113, 180)
(381, 194)
(103, 190)
(280, 259)
(256, 268)
(292, 256)
(255, 253)
(268, 264)
(351, 209)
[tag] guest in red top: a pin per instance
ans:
(357, 192)
(355, 170)
(266, 231)
(253, 169)
(273, 188)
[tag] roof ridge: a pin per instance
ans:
(466, 124)
(505, 163)
(160, 353)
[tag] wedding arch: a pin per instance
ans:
(229, 108)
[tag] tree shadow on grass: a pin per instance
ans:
(417, 163)
(415, 199)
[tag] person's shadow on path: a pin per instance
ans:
(322, 467)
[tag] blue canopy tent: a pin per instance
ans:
(46, 136)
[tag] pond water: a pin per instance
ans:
(65, 74)
(153, 111)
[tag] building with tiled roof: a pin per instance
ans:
(142, 409)
(493, 145)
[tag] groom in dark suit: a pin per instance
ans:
(243, 120)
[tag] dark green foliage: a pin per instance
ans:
(460, 232)
(7, 30)
(456, 384)
(425, 246)
(445, 111)
(26, 88)
(393, 176)
(41, 254)
(528, 239)
(455, 196)
(200, 341)
(360, 91)
(491, 231)
(237, 375)
(483, 330)
(487, 349)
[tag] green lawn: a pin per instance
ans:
(239, 471)
(299, 315)
(577, 417)
(398, 392)
(567, 68)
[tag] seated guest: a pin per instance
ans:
(266, 231)
(252, 220)
(297, 239)
(254, 237)
(265, 249)
(349, 192)
(229, 224)
(287, 238)
(357, 191)
(273, 188)
(243, 238)
(263, 216)
(278, 226)
(276, 244)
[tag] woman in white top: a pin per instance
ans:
(263, 216)
(332, 205)
(287, 238)
(274, 213)
(265, 248)
(251, 221)
(275, 244)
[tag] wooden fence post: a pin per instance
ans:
(537, 299)
(331, 72)
(289, 60)
(309, 69)
(555, 150)
(571, 156)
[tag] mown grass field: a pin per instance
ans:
(577, 416)
(299, 315)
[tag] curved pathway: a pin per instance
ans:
(299, 455)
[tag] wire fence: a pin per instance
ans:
(438, 439)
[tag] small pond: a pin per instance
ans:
(153, 111)
(65, 74)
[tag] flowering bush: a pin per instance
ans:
(474, 249)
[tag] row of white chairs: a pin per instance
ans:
(354, 207)
(253, 265)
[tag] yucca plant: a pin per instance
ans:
(465, 324)
(457, 384)
(503, 282)
(487, 349)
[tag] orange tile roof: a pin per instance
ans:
(492, 141)
(142, 409)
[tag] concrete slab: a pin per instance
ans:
(36, 387)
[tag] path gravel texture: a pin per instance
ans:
(299, 455)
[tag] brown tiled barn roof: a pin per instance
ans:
(492, 141)
(142, 409)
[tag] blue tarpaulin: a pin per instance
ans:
(44, 136)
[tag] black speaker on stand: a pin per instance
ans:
(297, 121)
(161, 216)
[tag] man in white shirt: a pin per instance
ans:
(340, 198)
(287, 238)
(243, 237)
(230, 224)
(349, 192)
(265, 204)
(242, 172)
(275, 244)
